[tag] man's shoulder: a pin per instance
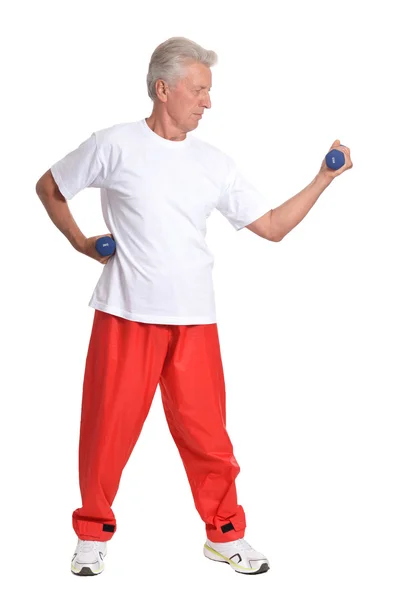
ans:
(116, 133)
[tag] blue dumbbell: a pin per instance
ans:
(105, 246)
(335, 159)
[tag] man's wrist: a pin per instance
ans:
(78, 240)
(323, 180)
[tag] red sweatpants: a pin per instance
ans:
(125, 362)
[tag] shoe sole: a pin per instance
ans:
(86, 571)
(243, 570)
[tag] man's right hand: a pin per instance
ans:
(89, 248)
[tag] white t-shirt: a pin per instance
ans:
(156, 195)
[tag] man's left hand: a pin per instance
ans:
(324, 170)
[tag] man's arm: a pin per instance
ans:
(275, 224)
(58, 210)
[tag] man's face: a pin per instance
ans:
(190, 97)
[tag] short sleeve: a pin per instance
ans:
(240, 202)
(79, 169)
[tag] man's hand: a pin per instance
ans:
(330, 173)
(89, 248)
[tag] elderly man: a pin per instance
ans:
(155, 320)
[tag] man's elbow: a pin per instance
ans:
(40, 186)
(46, 184)
(277, 238)
(273, 236)
(269, 230)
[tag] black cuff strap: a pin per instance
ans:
(227, 527)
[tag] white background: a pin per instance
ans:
(308, 326)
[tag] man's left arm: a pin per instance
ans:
(275, 224)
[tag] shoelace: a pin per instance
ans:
(242, 545)
(87, 545)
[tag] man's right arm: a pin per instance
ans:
(58, 210)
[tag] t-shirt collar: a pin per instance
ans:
(163, 141)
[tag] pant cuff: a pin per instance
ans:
(93, 530)
(226, 531)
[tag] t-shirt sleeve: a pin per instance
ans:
(82, 167)
(240, 202)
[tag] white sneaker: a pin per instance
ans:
(89, 557)
(239, 555)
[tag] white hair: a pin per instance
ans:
(169, 60)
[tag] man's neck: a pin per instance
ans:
(165, 128)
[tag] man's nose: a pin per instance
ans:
(206, 101)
